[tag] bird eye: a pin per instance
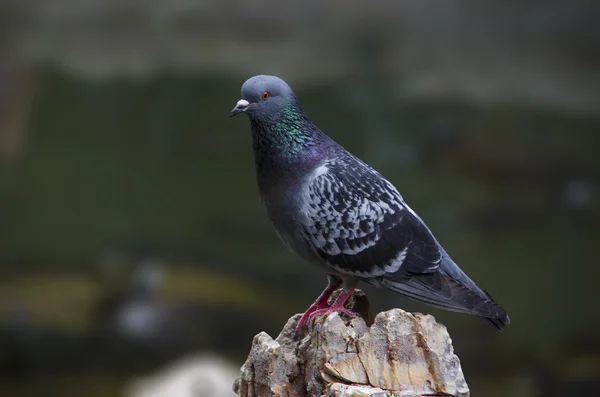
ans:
(265, 95)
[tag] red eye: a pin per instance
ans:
(265, 95)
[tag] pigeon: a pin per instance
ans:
(340, 214)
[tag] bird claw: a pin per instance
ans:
(325, 313)
(319, 324)
(307, 318)
(319, 309)
(348, 313)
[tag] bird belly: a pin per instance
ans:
(284, 219)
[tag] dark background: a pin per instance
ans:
(131, 231)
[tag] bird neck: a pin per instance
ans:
(287, 139)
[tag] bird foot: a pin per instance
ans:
(314, 311)
(309, 315)
(321, 303)
(325, 313)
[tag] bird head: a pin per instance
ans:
(263, 95)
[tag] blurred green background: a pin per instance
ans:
(131, 230)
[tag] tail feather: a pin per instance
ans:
(440, 290)
(499, 323)
(424, 297)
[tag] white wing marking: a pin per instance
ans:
(393, 267)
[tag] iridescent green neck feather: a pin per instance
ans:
(285, 137)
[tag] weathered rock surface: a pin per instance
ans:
(397, 354)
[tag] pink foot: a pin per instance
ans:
(338, 306)
(320, 304)
(326, 312)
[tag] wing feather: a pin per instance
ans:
(358, 223)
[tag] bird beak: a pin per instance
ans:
(240, 107)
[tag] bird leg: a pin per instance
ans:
(321, 303)
(337, 306)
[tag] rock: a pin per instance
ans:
(395, 354)
(198, 376)
(343, 390)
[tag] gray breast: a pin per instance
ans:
(286, 212)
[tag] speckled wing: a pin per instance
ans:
(358, 224)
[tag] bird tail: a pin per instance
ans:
(441, 290)
(501, 322)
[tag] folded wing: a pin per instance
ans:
(359, 225)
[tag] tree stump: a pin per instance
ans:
(396, 354)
